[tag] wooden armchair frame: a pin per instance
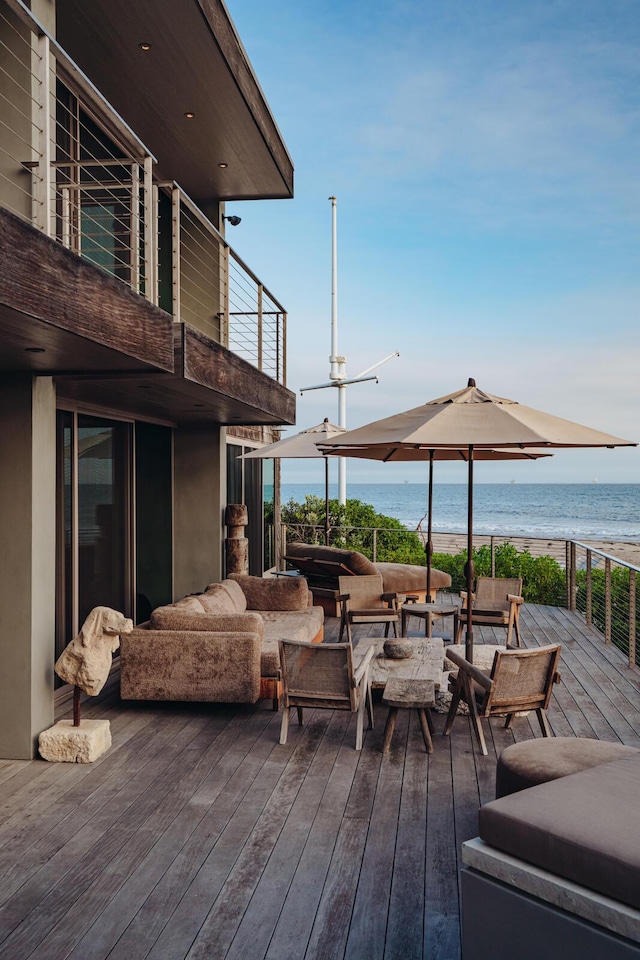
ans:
(520, 680)
(363, 601)
(321, 675)
(496, 603)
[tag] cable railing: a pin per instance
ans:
(71, 166)
(215, 290)
(604, 589)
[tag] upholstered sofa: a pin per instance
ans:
(323, 565)
(220, 645)
(555, 872)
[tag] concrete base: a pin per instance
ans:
(64, 743)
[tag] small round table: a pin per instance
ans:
(427, 612)
(409, 694)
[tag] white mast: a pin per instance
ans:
(337, 363)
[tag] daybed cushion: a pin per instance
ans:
(272, 593)
(405, 577)
(579, 827)
(526, 764)
(396, 577)
(354, 561)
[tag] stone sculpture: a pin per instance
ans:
(86, 661)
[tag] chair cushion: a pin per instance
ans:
(526, 764)
(578, 827)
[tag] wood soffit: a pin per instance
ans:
(196, 63)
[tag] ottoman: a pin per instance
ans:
(537, 761)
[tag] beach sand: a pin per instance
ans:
(621, 550)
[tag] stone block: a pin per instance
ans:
(64, 743)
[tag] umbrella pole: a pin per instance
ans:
(469, 566)
(326, 500)
(429, 545)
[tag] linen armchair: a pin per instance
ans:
(363, 601)
(520, 680)
(321, 675)
(496, 603)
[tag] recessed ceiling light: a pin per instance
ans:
(189, 114)
(144, 46)
(34, 350)
(223, 166)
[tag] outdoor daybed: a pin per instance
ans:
(555, 872)
(323, 565)
(221, 645)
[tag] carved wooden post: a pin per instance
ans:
(236, 544)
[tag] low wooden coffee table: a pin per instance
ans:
(425, 664)
(406, 694)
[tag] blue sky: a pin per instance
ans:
(485, 160)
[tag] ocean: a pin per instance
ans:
(566, 511)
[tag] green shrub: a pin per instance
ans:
(543, 579)
(394, 543)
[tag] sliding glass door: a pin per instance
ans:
(94, 520)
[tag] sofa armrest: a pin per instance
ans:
(248, 622)
(194, 665)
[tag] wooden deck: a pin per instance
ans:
(199, 836)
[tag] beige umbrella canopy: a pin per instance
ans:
(472, 420)
(303, 446)
(413, 452)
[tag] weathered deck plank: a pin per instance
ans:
(197, 835)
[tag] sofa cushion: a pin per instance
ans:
(287, 625)
(272, 593)
(224, 597)
(169, 618)
(181, 608)
(578, 827)
(216, 599)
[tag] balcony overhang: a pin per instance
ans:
(196, 63)
(209, 385)
(61, 315)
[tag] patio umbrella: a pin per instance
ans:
(302, 446)
(472, 420)
(412, 452)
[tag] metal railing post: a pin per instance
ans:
(260, 332)
(375, 544)
(493, 556)
(225, 324)
(632, 618)
(134, 213)
(572, 576)
(607, 600)
(589, 596)
(175, 252)
(150, 235)
(41, 212)
(284, 349)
